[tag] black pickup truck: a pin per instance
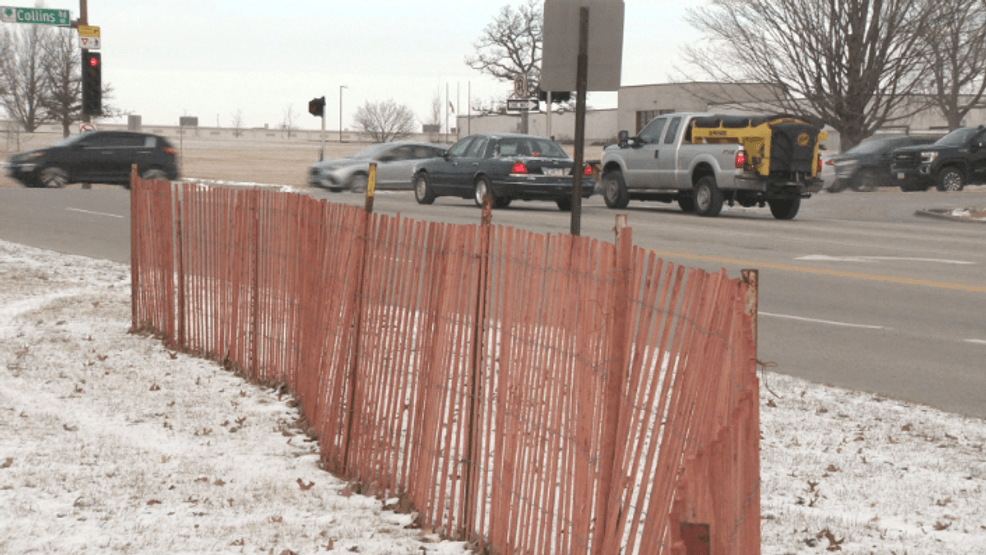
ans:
(949, 163)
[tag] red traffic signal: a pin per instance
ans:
(92, 83)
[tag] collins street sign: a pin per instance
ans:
(38, 16)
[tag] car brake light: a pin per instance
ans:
(820, 164)
(740, 159)
(588, 170)
(170, 150)
(519, 167)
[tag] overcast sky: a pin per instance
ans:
(210, 58)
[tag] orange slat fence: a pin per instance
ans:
(531, 393)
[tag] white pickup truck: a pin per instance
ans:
(702, 160)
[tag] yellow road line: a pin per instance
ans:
(838, 273)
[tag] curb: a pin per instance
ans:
(946, 214)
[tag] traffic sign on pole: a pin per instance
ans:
(89, 38)
(522, 104)
(37, 16)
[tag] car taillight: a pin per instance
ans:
(588, 170)
(170, 150)
(740, 159)
(830, 162)
(820, 163)
(519, 167)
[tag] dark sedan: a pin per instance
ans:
(867, 165)
(506, 166)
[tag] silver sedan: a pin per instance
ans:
(395, 166)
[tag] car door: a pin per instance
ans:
(977, 159)
(641, 160)
(443, 171)
(94, 160)
(137, 149)
(666, 175)
(394, 168)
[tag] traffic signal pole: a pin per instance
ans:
(84, 20)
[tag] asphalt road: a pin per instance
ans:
(858, 291)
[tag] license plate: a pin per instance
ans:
(554, 172)
(900, 175)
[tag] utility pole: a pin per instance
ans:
(340, 111)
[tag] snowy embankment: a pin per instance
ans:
(110, 443)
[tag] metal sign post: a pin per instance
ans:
(580, 92)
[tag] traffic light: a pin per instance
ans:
(316, 107)
(92, 83)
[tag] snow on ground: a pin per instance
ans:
(109, 443)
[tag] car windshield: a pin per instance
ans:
(530, 146)
(373, 152)
(959, 137)
(72, 140)
(872, 146)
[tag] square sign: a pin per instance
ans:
(559, 61)
(89, 38)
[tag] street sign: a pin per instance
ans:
(37, 16)
(522, 104)
(520, 85)
(89, 38)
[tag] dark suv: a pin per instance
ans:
(867, 165)
(948, 163)
(96, 157)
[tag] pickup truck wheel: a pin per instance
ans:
(708, 197)
(951, 180)
(615, 190)
(422, 189)
(784, 209)
(686, 203)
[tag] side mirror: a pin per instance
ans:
(623, 138)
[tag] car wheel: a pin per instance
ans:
(357, 183)
(482, 188)
(154, 174)
(53, 177)
(866, 182)
(708, 198)
(784, 209)
(951, 180)
(422, 189)
(615, 190)
(564, 204)
(838, 186)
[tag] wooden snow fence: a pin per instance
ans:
(530, 393)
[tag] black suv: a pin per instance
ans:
(948, 163)
(867, 165)
(96, 157)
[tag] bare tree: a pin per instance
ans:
(237, 122)
(852, 63)
(289, 119)
(22, 93)
(385, 121)
(954, 48)
(62, 79)
(511, 46)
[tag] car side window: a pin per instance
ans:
(150, 142)
(672, 130)
(652, 133)
(477, 149)
(400, 153)
(423, 152)
(458, 150)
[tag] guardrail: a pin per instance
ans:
(530, 393)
